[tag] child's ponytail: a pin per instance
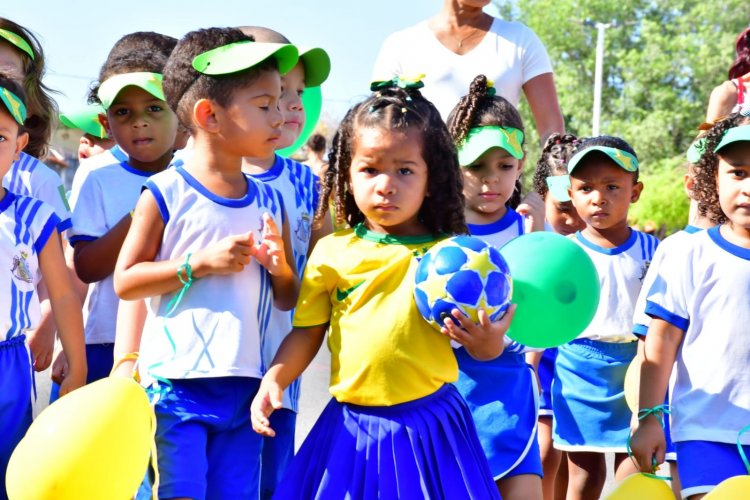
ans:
(553, 160)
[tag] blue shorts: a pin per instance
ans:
(588, 396)
(206, 446)
(16, 384)
(277, 452)
(545, 372)
(705, 464)
(100, 358)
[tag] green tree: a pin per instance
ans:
(662, 59)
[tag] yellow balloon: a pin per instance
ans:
(94, 443)
(632, 384)
(734, 488)
(640, 486)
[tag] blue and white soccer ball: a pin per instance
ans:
(463, 273)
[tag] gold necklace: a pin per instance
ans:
(461, 41)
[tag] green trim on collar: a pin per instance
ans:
(362, 232)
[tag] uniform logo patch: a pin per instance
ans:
(21, 269)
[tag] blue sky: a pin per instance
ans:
(77, 35)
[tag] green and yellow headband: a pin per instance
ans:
(239, 56)
(481, 139)
(17, 41)
(87, 120)
(150, 82)
(734, 134)
(625, 160)
(14, 105)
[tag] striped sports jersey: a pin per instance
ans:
(30, 177)
(621, 272)
(298, 186)
(26, 225)
(500, 232)
(219, 323)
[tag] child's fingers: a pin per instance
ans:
(269, 225)
(455, 331)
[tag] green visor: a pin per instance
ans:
(86, 119)
(481, 139)
(150, 82)
(14, 105)
(627, 161)
(558, 187)
(243, 55)
(696, 150)
(735, 134)
(317, 65)
(17, 41)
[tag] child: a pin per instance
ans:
(30, 247)
(551, 182)
(200, 350)
(698, 306)
(396, 427)
(299, 187)
(22, 59)
(95, 139)
(502, 393)
(316, 153)
(588, 401)
(144, 127)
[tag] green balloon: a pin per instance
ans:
(555, 287)
(312, 101)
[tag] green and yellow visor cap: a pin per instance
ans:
(239, 56)
(86, 119)
(481, 139)
(625, 160)
(317, 65)
(14, 105)
(17, 41)
(735, 134)
(150, 82)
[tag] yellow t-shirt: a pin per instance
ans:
(382, 351)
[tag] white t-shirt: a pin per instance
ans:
(621, 272)
(30, 177)
(298, 186)
(704, 289)
(510, 55)
(501, 231)
(103, 159)
(107, 195)
(641, 320)
(26, 225)
(218, 326)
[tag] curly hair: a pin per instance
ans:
(478, 109)
(184, 86)
(741, 64)
(553, 160)
(42, 109)
(140, 45)
(398, 109)
(705, 189)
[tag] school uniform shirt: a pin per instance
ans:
(500, 232)
(383, 352)
(510, 54)
(217, 327)
(641, 320)
(621, 273)
(26, 224)
(704, 290)
(107, 195)
(298, 186)
(30, 177)
(109, 157)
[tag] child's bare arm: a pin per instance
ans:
(296, 352)
(95, 260)
(275, 253)
(131, 316)
(66, 306)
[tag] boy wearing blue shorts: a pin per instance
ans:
(205, 251)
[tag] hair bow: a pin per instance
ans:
(399, 81)
(491, 90)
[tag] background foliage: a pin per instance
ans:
(662, 59)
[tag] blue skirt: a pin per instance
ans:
(503, 399)
(425, 448)
(588, 396)
(546, 372)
